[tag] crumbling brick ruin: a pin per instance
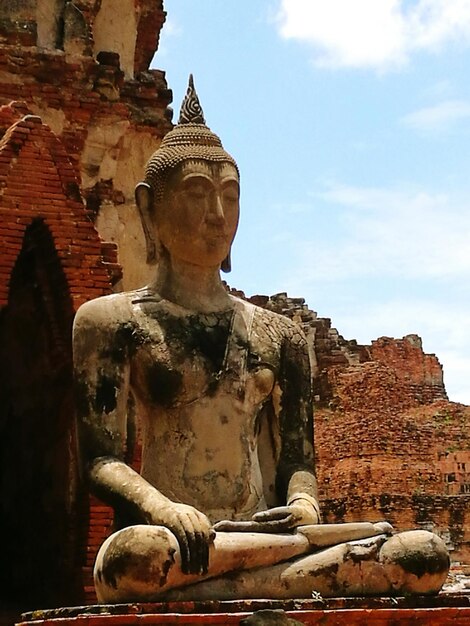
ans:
(80, 113)
(389, 444)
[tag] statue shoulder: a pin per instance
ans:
(106, 312)
(278, 325)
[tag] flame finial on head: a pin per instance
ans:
(191, 110)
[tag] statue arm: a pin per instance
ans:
(102, 347)
(101, 369)
(295, 480)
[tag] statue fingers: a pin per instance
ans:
(199, 554)
(279, 525)
(194, 540)
(178, 529)
(204, 556)
(228, 526)
(202, 535)
(205, 525)
(277, 514)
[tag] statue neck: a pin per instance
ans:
(191, 286)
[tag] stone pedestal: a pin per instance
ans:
(442, 610)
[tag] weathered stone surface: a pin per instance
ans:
(47, 69)
(51, 261)
(205, 370)
(269, 617)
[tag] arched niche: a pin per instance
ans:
(38, 470)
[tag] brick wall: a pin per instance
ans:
(39, 181)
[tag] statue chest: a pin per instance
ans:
(197, 358)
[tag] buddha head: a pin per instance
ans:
(189, 199)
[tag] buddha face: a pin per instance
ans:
(198, 217)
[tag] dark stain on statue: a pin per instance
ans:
(120, 559)
(82, 397)
(105, 399)
(127, 338)
(420, 565)
(195, 334)
(326, 570)
(166, 566)
(164, 384)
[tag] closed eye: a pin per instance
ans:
(231, 192)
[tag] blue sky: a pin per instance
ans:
(350, 122)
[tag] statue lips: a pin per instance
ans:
(216, 237)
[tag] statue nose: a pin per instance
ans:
(216, 213)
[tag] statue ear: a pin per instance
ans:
(226, 265)
(144, 201)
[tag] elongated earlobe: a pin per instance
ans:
(144, 201)
(226, 265)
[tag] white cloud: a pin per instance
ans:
(388, 261)
(442, 332)
(392, 233)
(373, 33)
(439, 117)
(388, 241)
(171, 30)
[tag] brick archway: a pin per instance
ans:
(51, 261)
(38, 482)
(38, 180)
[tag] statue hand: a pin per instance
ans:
(278, 520)
(193, 531)
(284, 518)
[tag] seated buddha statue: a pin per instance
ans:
(225, 504)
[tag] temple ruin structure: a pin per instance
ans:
(80, 114)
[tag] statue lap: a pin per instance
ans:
(412, 562)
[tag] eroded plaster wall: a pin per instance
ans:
(115, 29)
(83, 67)
(51, 261)
(107, 115)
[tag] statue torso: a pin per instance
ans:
(202, 385)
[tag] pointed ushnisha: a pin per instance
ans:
(191, 110)
(190, 139)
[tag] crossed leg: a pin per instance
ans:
(142, 563)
